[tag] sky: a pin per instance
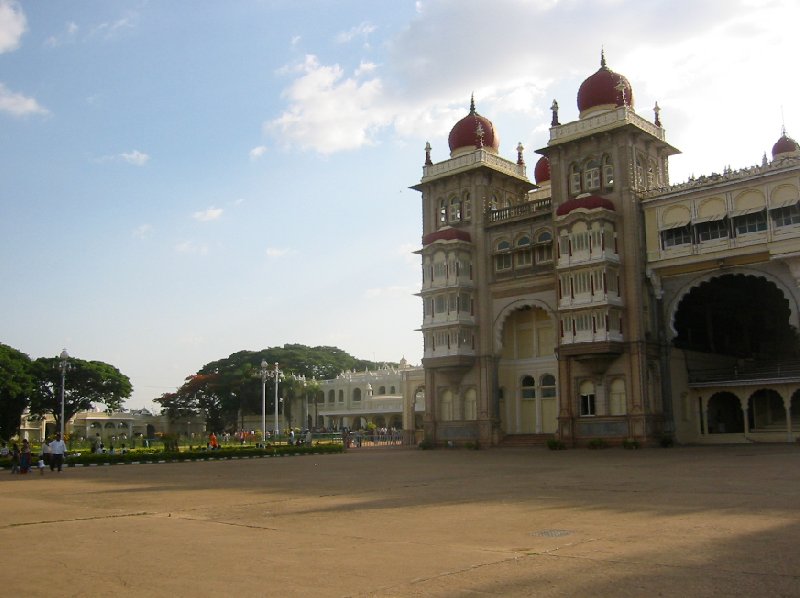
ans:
(184, 179)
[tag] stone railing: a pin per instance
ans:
(479, 156)
(601, 122)
(538, 206)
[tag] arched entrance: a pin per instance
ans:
(528, 402)
(725, 414)
(737, 315)
(766, 411)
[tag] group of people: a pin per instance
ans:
(52, 453)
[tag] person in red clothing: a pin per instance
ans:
(212, 441)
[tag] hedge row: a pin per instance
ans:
(156, 456)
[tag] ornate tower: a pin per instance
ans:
(609, 364)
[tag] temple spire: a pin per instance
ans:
(602, 57)
(472, 104)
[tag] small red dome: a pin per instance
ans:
(473, 131)
(586, 202)
(541, 173)
(785, 145)
(446, 234)
(603, 88)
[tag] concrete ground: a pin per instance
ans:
(697, 521)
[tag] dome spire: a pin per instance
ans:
(472, 103)
(602, 57)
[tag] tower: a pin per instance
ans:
(608, 350)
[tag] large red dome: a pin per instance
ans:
(541, 173)
(785, 145)
(604, 88)
(586, 202)
(472, 132)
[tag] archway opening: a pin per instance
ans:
(725, 414)
(737, 315)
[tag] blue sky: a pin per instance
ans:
(185, 179)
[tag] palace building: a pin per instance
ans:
(599, 301)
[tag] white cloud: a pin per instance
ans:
(718, 69)
(17, 104)
(111, 29)
(257, 152)
(191, 248)
(12, 25)
(275, 252)
(360, 30)
(67, 36)
(144, 231)
(211, 213)
(329, 111)
(135, 157)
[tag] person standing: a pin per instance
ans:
(25, 456)
(44, 454)
(57, 451)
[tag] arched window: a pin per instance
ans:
(392, 391)
(455, 209)
(608, 172)
(548, 384)
(574, 179)
(331, 396)
(466, 206)
(446, 406)
(616, 397)
(586, 397)
(544, 247)
(442, 212)
(591, 176)
(503, 257)
(356, 394)
(381, 390)
(524, 255)
(528, 387)
(471, 404)
(341, 396)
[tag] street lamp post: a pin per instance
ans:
(63, 365)
(264, 374)
(277, 374)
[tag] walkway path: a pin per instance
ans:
(687, 522)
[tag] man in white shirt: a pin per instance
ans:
(57, 451)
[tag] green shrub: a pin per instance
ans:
(554, 444)
(426, 445)
(630, 443)
(597, 443)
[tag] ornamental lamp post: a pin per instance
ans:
(63, 365)
(277, 375)
(264, 374)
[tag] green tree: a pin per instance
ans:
(86, 382)
(227, 389)
(16, 385)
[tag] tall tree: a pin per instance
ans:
(16, 385)
(86, 382)
(226, 389)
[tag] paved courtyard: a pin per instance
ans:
(698, 521)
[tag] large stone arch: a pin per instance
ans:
(686, 288)
(507, 310)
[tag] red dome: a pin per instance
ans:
(541, 173)
(473, 131)
(587, 202)
(446, 234)
(785, 145)
(602, 89)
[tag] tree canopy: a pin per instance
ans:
(16, 385)
(226, 389)
(86, 382)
